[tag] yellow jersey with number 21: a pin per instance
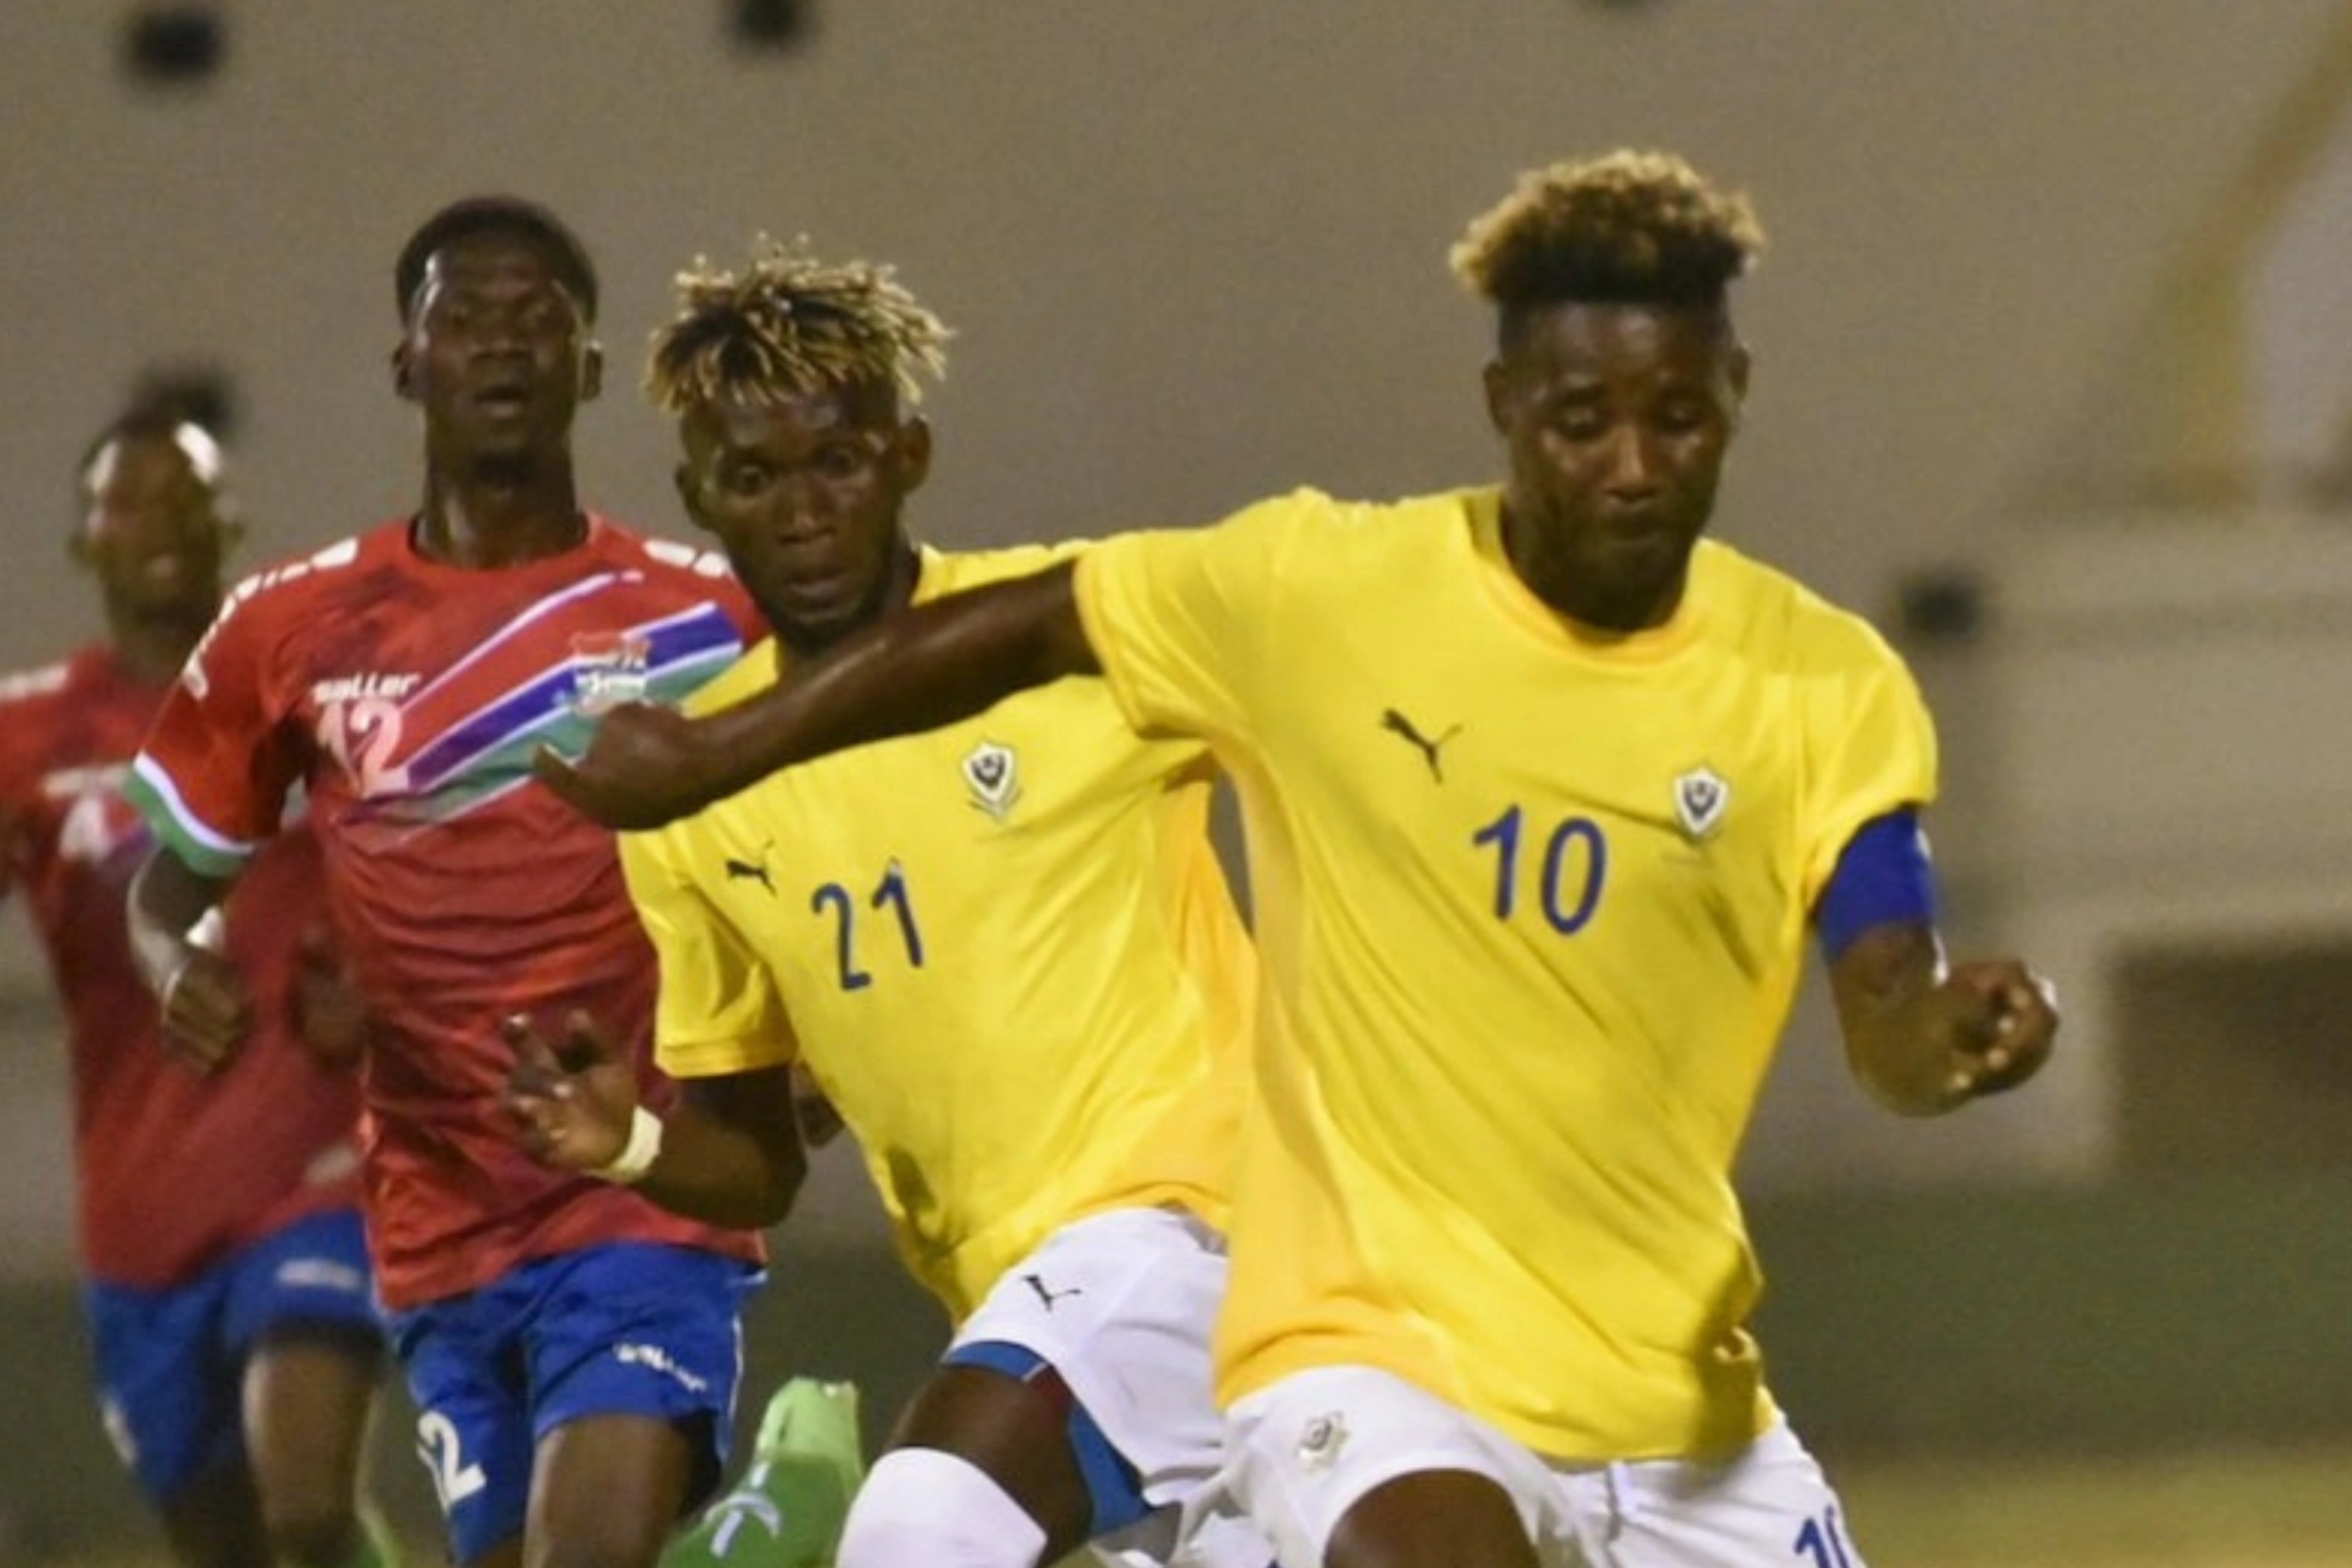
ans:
(1004, 949)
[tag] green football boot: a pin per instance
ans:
(788, 1509)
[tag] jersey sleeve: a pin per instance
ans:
(1179, 618)
(718, 1010)
(24, 729)
(225, 750)
(1870, 748)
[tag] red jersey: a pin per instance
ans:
(173, 1169)
(407, 697)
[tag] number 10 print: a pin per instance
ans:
(1575, 847)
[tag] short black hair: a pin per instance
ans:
(496, 215)
(154, 422)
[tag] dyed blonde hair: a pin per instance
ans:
(1624, 229)
(788, 323)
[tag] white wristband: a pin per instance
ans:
(637, 1155)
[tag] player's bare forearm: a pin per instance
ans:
(167, 896)
(929, 667)
(731, 1154)
(908, 672)
(1924, 1036)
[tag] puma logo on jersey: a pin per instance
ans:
(739, 871)
(1396, 723)
(1047, 1294)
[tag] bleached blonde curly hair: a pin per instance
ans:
(789, 322)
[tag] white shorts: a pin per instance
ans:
(1305, 1450)
(1121, 1303)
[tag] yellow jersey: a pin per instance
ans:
(1531, 904)
(1004, 949)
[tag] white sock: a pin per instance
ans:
(922, 1507)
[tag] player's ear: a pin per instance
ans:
(1734, 372)
(690, 495)
(404, 372)
(1499, 396)
(592, 371)
(911, 454)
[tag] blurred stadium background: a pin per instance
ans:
(2055, 379)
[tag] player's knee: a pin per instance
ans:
(919, 1506)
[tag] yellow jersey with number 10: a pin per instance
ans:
(1004, 949)
(1531, 905)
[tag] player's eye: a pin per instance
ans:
(841, 460)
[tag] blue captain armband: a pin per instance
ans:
(1884, 877)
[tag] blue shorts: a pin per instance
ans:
(171, 1361)
(631, 1329)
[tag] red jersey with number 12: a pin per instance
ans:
(408, 696)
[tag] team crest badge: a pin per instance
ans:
(992, 772)
(1321, 1440)
(609, 669)
(1700, 798)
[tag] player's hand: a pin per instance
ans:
(571, 1104)
(2000, 1021)
(208, 1009)
(644, 768)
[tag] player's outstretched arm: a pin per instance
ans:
(1923, 1036)
(931, 665)
(208, 1009)
(730, 1154)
